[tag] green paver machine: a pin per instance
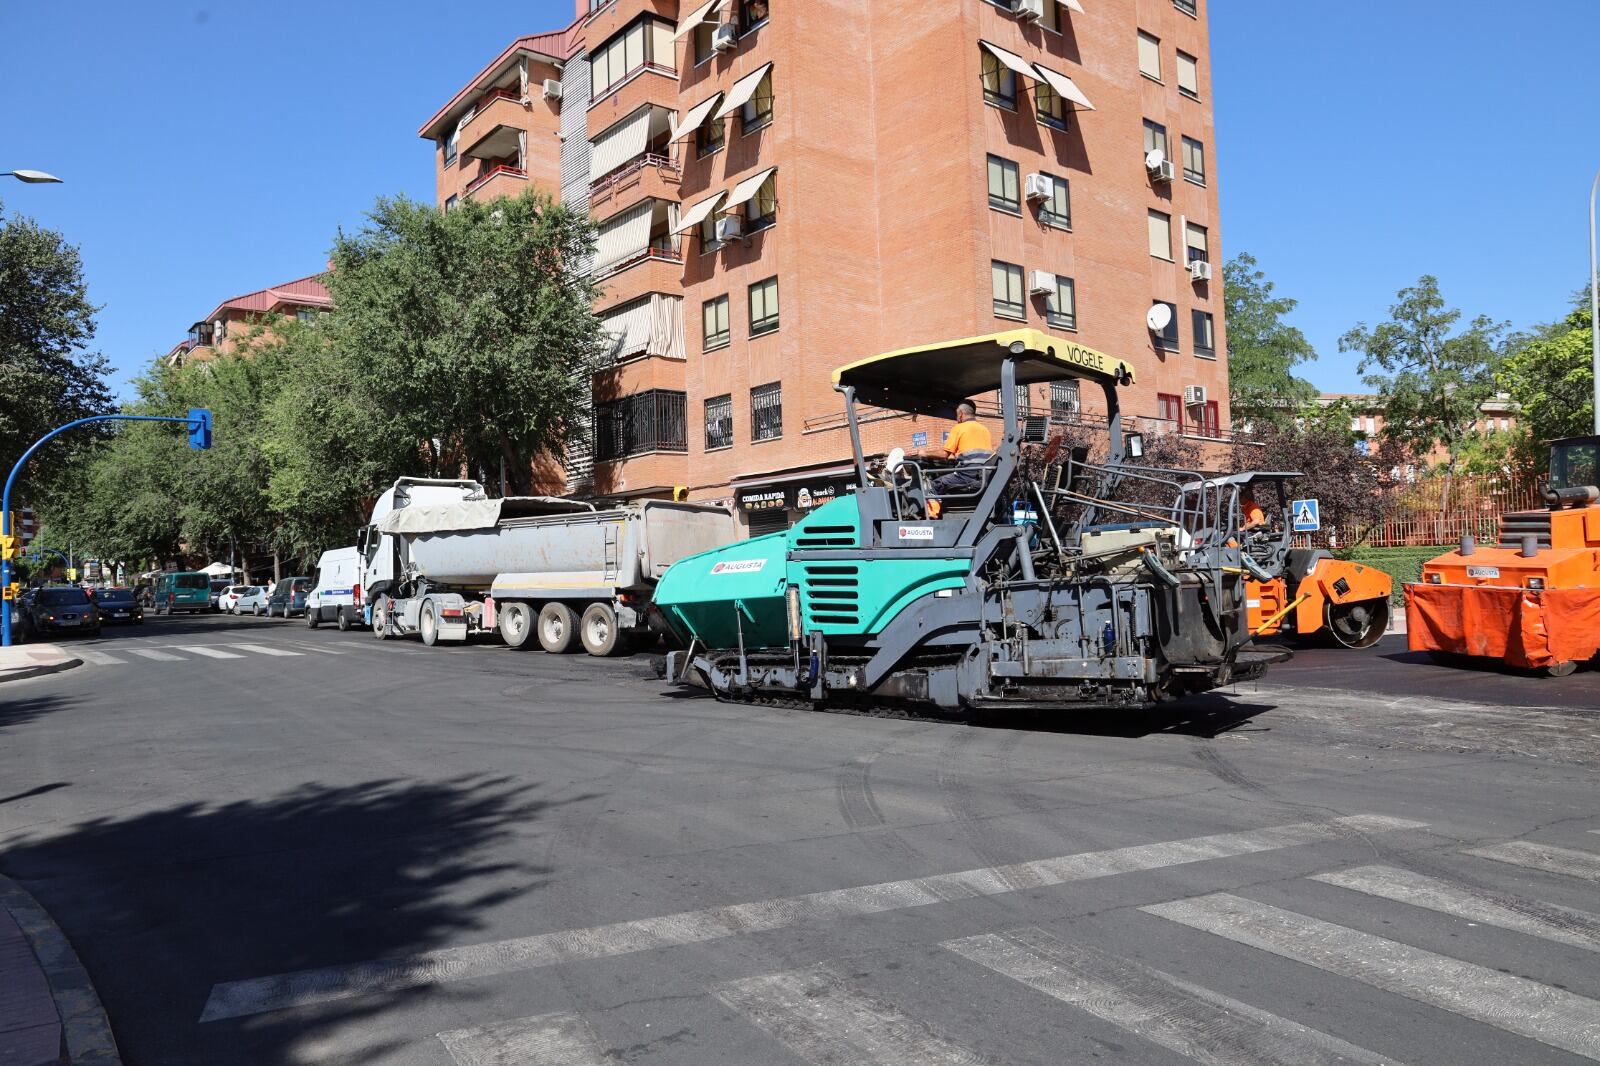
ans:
(1024, 584)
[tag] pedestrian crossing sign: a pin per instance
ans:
(1307, 516)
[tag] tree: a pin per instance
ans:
(1263, 349)
(1345, 477)
(48, 377)
(1551, 375)
(1431, 380)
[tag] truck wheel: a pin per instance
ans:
(516, 624)
(380, 621)
(601, 636)
(558, 628)
(428, 625)
(312, 621)
(1565, 669)
(344, 620)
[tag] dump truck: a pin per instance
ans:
(1532, 600)
(1023, 584)
(1304, 593)
(443, 561)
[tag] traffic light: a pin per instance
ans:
(199, 428)
(11, 591)
(10, 546)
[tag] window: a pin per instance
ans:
(766, 412)
(449, 144)
(1194, 161)
(752, 13)
(1188, 7)
(1195, 242)
(1167, 339)
(719, 419)
(1188, 75)
(1205, 340)
(1211, 419)
(1003, 192)
(762, 211)
(708, 234)
(1007, 290)
(451, 201)
(307, 315)
(638, 425)
(705, 36)
(1064, 401)
(1171, 408)
(1056, 210)
(757, 111)
(1061, 306)
(1155, 138)
(710, 137)
(1160, 234)
(763, 307)
(999, 82)
(646, 42)
(1149, 56)
(714, 314)
(1052, 110)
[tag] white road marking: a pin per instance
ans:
(319, 651)
(823, 1020)
(158, 656)
(210, 653)
(262, 649)
(1196, 1023)
(236, 999)
(1547, 857)
(97, 658)
(1549, 1015)
(548, 1040)
(1561, 924)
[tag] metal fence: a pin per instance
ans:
(1420, 513)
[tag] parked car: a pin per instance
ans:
(182, 591)
(336, 594)
(253, 600)
(119, 605)
(229, 595)
(61, 609)
(217, 590)
(289, 597)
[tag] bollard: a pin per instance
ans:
(1468, 545)
(1530, 546)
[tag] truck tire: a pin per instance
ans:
(312, 621)
(380, 621)
(344, 620)
(428, 624)
(516, 624)
(601, 637)
(558, 628)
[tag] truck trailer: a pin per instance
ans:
(441, 560)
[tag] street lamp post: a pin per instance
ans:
(32, 177)
(1594, 301)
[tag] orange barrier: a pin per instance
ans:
(1528, 628)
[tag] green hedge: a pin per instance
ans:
(1402, 564)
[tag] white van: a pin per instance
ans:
(336, 596)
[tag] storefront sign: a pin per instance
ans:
(764, 500)
(803, 496)
(808, 496)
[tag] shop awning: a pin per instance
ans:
(742, 91)
(698, 213)
(1064, 87)
(695, 118)
(687, 26)
(1017, 64)
(747, 188)
(619, 144)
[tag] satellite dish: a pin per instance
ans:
(1154, 158)
(1158, 318)
(895, 460)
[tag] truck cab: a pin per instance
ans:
(378, 558)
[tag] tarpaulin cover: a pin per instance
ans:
(1524, 627)
(442, 517)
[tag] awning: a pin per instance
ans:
(743, 90)
(695, 118)
(1064, 87)
(619, 144)
(629, 328)
(747, 188)
(1073, 4)
(1017, 64)
(688, 25)
(626, 235)
(698, 213)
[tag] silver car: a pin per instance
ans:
(252, 599)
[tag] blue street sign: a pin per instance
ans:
(199, 428)
(919, 439)
(1307, 516)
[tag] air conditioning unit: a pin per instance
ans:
(1194, 395)
(1041, 283)
(1162, 170)
(1039, 186)
(725, 38)
(1200, 270)
(730, 228)
(1029, 10)
(552, 89)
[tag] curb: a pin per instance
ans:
(24, 672)
(84, 1025)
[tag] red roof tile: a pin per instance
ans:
(302, 292)
(557, 44)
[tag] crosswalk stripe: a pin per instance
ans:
(319, 651)
(98, 658)
(211, 653)
(262, 649)
(158, 656)
(1547, 857)
(823, 1020)
(1196, 1023)
(548, 1040)
(1561, 924)
(1549, 1015)
(261, 994)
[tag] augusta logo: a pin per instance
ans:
(739, 566)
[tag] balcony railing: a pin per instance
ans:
(499, 92)
(494, 172)
(664, 164)
(659, 254)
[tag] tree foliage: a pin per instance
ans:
(1263, 349)
(1551, 375)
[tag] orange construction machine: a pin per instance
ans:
(1532, 600)
(1301, 592)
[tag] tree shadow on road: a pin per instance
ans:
(15, 712)
(165, 904)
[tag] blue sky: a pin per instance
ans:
(213, 148)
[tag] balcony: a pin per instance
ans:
(493, 132)
(498, 182)
(649, 177)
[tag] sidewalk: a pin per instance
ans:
(49, 1012)
(33, 660)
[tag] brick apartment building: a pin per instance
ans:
(783, 186)
(1496, 415)
(218, 332)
